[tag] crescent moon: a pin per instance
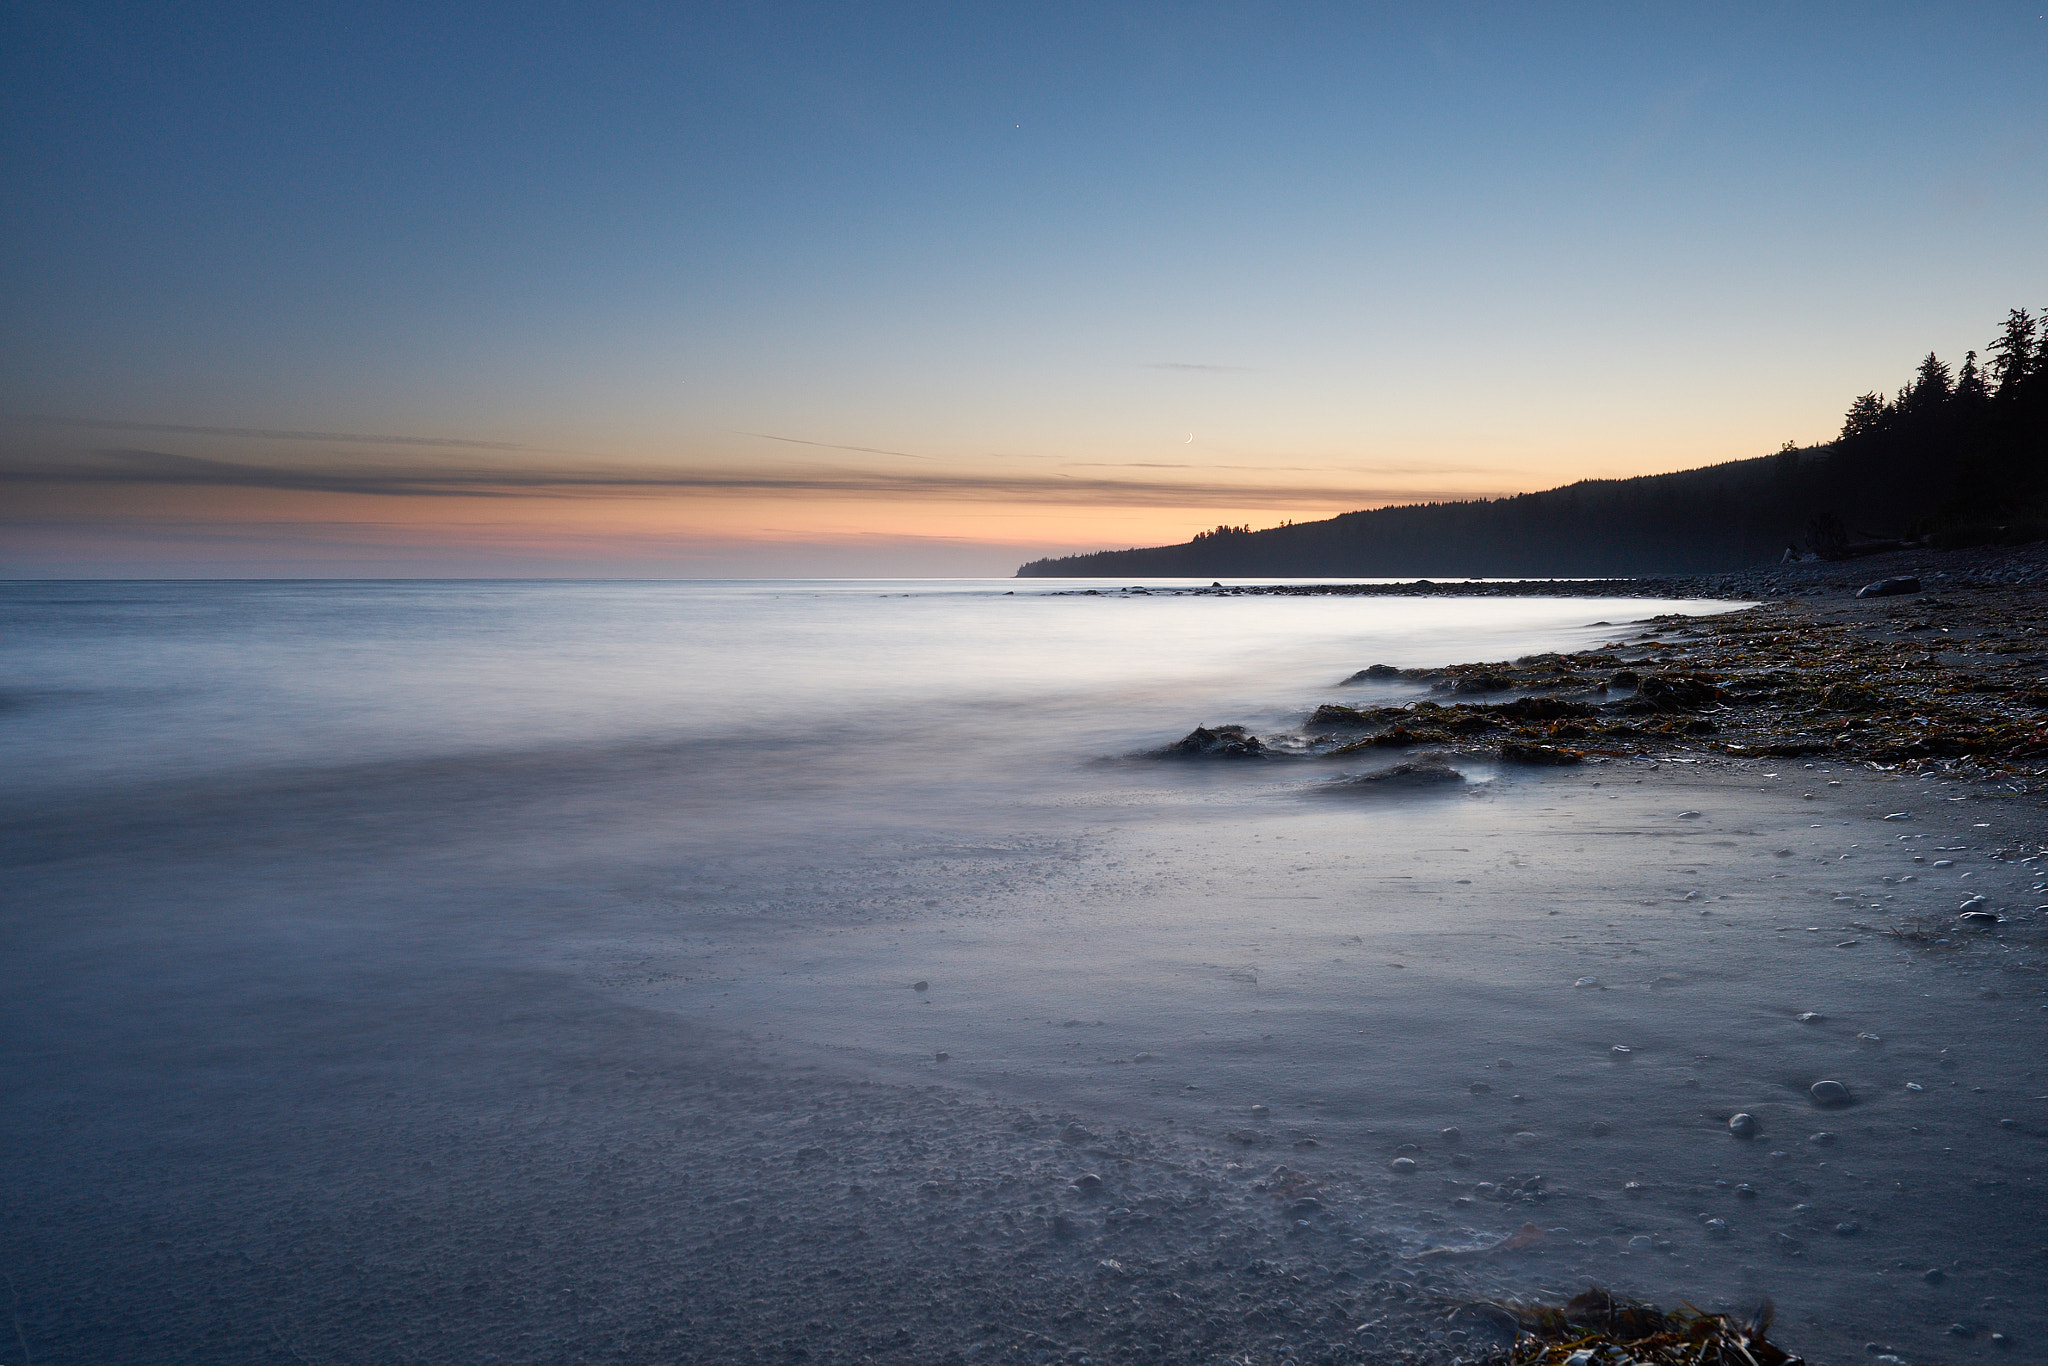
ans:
(1190, 441)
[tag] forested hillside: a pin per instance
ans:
(1957, 455)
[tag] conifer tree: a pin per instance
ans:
(2013, 355)
(1866, 416)
(1931, 385)
(1970, 389)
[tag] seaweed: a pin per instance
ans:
(1522, 752)
(1601, 1329)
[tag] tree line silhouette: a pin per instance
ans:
(1956, 457)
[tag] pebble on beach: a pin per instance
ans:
(1744, 1126)
(1829, 1094)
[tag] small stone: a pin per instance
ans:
(1745, 1191)
(1869, 1038)
(1823, 1138)
(1633, 1189)
(1898, 816)
(1524, 1139)
(1461, 1159)
(1944, 863)
(1688, 815)
(1587, 982)
(1914, 1086)
(1934, 1275)
(1261, 1111)
(1979, 919)
(2000, 1340)
(1828, 1094)
(1621, 1049)
(1601, 1128)
(1716, 1228)
(942, 1056)
(1405, 1166)
(920, 986)
(1848, 1228)
(1809, 1017)
(1141, 1057)
(1961, 1330)
(1307, 1143)
(2008, 1124)
(1087, 1182)
(1408, 1150)
(1744, 1126)
(1480, 1088)
(1452, 1134)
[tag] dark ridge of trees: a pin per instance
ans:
(1956, 457)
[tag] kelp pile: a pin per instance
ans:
(1597, 1329)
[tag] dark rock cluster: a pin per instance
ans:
(1955, 680)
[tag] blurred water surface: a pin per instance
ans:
(107, 684)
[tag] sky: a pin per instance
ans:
(787, 290)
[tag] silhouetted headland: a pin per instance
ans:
(1955, 458)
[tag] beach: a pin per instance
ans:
(1166, 1060)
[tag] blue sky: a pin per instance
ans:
(936, 288)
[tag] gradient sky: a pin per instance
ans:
(895, 289)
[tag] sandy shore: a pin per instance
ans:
(572, 1169)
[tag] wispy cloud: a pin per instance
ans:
(160, 468)
(1188, 465)
(1370, 471)
(835, 446)
(267, 433)
(1191, 365)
